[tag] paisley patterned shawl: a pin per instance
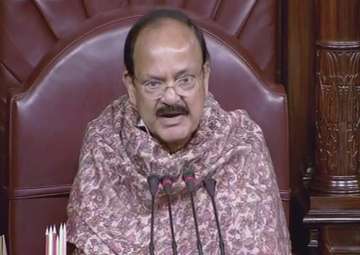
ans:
(109, 208)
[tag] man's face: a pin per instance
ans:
(170, 82)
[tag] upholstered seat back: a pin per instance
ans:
(74, 83)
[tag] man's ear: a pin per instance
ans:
(130, 87)
(206, 71)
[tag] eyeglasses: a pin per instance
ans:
(184, 85)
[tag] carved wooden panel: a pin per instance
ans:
(338, 117)
(335, 187)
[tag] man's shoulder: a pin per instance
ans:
(237, 120)
(236, 125)
(245, 128)
(108, 114)
(105, 123)
(241, 121)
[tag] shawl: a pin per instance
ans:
(109, 208)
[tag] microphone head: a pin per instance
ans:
(167, 182)
(189, 179)
(210, 184)
(188, 173)
(153, 181)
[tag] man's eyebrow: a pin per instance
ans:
(181, 73)
(153, 77)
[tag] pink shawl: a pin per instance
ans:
(109, 209)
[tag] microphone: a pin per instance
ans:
(189, 179)
(210, 184)
(167, 182)
(153, 181)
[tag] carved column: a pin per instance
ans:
(337, 97)
(335, 187)
(337, 117)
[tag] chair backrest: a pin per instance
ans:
(74, 83)
(252, 22)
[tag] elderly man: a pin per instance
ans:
(150, 161)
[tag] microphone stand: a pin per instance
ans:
(188, 178)
(167, 183)
(153, 181)
(199, 245)
(210, 184)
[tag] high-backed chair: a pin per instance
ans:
(72, 85)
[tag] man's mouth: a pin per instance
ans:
(171, 114)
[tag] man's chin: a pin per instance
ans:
(173, 131)
(169, 139)
(174, 138)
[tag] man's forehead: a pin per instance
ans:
(163, 58)
(165, 48)
(167, 31)
(166, 23)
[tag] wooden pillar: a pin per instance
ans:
(337, 97)
(298, 70)
(335, 187)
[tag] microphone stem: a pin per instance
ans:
(221, 241)
(199, 245)
(151, 245)
(174, 246)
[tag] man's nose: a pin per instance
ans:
(170, 96)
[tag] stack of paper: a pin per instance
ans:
(3, 250)
(55, 241)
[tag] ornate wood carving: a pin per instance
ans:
(335, 186)
(338, 117)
